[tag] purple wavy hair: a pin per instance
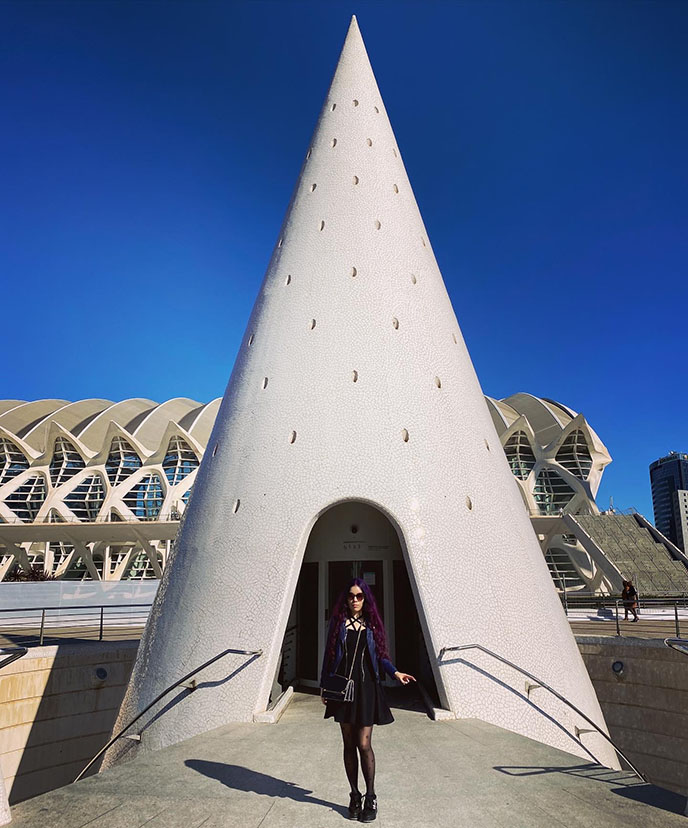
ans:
(371, 615)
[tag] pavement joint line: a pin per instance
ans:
(104, 813)
(272, 805)
(154, 817)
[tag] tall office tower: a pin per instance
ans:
(680, 503)
(669, 481)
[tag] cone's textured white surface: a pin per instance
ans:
(353, 382)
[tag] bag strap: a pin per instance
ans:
(353, 660)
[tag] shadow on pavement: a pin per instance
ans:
(657, 797)
(244, 779)
(631, 787)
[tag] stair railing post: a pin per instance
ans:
(102, 612)
(618, 628)
(678, 628)
(40, 637)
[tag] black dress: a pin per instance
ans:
(369, 706)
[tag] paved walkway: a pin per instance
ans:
(430, 775)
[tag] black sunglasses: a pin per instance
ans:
(356, 596)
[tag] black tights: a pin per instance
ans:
(357, 741)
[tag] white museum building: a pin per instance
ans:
(95, 489)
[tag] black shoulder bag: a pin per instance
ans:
(341, 688)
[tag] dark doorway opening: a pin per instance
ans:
(354, 539)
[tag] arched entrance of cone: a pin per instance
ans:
(353, 539)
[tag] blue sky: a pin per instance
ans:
(149, 150)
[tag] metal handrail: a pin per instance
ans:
(73, 611)
(551, 690)
(604, 600)
(14, 654)
(192, 687)
(69, 607)
(678, 644)
(46, 520)
(642, 603)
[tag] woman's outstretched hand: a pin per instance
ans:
(404, 678)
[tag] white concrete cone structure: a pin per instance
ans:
(353, 384)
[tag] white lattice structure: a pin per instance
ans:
(94, 489)
(558, 461)
(62, 479)
(353, 390)
(553, 453)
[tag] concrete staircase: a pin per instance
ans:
(636, 552)
(429, 774)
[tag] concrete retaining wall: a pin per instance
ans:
(646, 707)
(57, 711)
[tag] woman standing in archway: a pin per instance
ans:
(355, 651)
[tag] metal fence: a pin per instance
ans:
(587, 614)
(600, 615)
(96, 622)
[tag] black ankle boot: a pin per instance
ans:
(369, 812)
(355, 805)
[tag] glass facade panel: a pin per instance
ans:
(145, 499)
(36, 559)
(98, 563)
(87, 498)
(27, 499)
(180, 460)
(12, 461)
(141, 567)
(78, 571)
(574, 455)
(122, 461)
(66, 462)
(520, 455)
(552, 493)
(118, 554)
(60, 552)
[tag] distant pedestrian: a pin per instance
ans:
(629, 597)
(355, 651)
